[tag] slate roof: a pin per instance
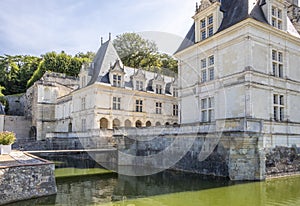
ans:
(234, 11)
(237, 10)
(107, 60)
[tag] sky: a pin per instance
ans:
(34, 27)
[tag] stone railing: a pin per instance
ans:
(228, 125)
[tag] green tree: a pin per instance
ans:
(15, 72)
(137, 52)
(133, 49)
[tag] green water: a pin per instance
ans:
(273, 192)
(80, 183)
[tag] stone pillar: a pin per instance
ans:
(246, 157)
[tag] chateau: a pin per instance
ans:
(240, 60)
(106, 95)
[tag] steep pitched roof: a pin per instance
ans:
(189, 39)
(105, 57)
(234, 12)
(238, 10)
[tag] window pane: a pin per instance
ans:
(211, 74)
(275, 113)
(275, 99)
(203, 34)
(280, 72)
(281, 114)
(210, 20)
(274, 67)
(274, 55)
(203, 63)
(203, 23)
(211, 60)
(280, 56)
(210, 31)
(204, 76)
(281, 100)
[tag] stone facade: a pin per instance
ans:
(24, 177)
(106, 96)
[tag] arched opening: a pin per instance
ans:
(175, 124)
(167, 124)
(157, 124)
(138, 124)
(127, 123)
(148, 124)
(70, 127)
(103, 123)
(32, 133)
(116, 123)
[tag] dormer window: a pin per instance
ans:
(158, 89)
(276, 17)
(117, 80)
(139, 85)
(207, 28)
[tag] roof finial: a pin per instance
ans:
(197, 7)
(109, 36)
(101, 40)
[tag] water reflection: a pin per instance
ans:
(167, 188)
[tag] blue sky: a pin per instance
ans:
(38, 26)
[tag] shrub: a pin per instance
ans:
(7, 138)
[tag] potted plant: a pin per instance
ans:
(6, 140)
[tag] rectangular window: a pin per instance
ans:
(158, 89)
(206, 27)
(207, 73)
(277, 63)
(139, 105)
(207, 109)
(278, 107)
(175, 110)
(116, 103)
(158, 107)
(276, 17)
(117, 80)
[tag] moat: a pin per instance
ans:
(83, 182)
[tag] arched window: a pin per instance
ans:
(116, 123)
(138, 124)
(167, 124)
(103, 123)
(127, 123)
(157, 124)
(148, 124)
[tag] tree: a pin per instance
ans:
(61, 63)
(133, 49)
(15, 72)
(137, 52)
